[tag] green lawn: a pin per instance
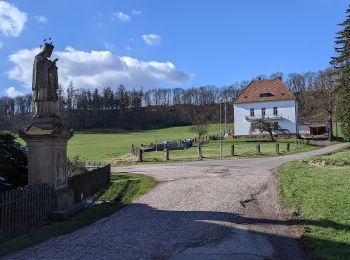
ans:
(124, 188)
(114, 146)
(105, 145)
(317, 189)
(243, 149)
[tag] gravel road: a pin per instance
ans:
(225, 209)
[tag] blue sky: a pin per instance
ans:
(152, 43)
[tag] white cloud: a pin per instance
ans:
(122, 16)
(12, 92)
(97, 69)
(136, 12)
(12, 20)
(151, 39)
(23, 60)
(41, 19)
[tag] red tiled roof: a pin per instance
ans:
(277, 90)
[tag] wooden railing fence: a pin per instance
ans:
(23, 208)
(88, 184)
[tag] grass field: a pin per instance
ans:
(317, 189)
(243, 149)
(105, 145)
(122, 191)
(114, 145)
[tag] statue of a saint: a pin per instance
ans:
(45, 84)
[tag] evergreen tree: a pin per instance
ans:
(342, 64)
(96, 100)
(122, 97)
(89, 99)
(136, 98)
(81, 99)
(108, 98)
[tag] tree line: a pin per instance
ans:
(301, 84)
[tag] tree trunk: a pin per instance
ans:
(330, 132)
(271, 136)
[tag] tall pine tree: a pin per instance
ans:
(342, 64)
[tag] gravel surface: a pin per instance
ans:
(199, 210)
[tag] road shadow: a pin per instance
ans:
(139, 231)
(197, 234)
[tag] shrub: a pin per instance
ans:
(76, 166)
(200, 129)
(13, 160)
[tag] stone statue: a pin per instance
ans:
(46, 136)
(45, 84)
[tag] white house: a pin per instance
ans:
(268, 99)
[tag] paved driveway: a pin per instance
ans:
(200, 210)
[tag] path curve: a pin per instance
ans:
(225, 209)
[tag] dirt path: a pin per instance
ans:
(199, 210)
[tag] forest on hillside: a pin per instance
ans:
(83, 108)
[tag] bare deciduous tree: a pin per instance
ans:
(324, 93)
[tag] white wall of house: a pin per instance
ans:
(287, 109)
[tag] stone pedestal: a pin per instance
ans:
(47, 158)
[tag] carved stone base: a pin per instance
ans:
(47, 157)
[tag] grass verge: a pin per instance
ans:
(317, 191)
(211, 151)
(124, 188)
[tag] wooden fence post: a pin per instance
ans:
(166, 154)
(139, 156)
(277, 148)
(233, 150)
(199, 152)
(288, 147)
(258, 148)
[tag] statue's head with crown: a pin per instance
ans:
(48, 49)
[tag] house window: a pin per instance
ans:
(252, 112)
(263, 112)
(275, 126)
(275, 111)
(265, 94)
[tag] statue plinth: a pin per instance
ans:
(47, 158)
